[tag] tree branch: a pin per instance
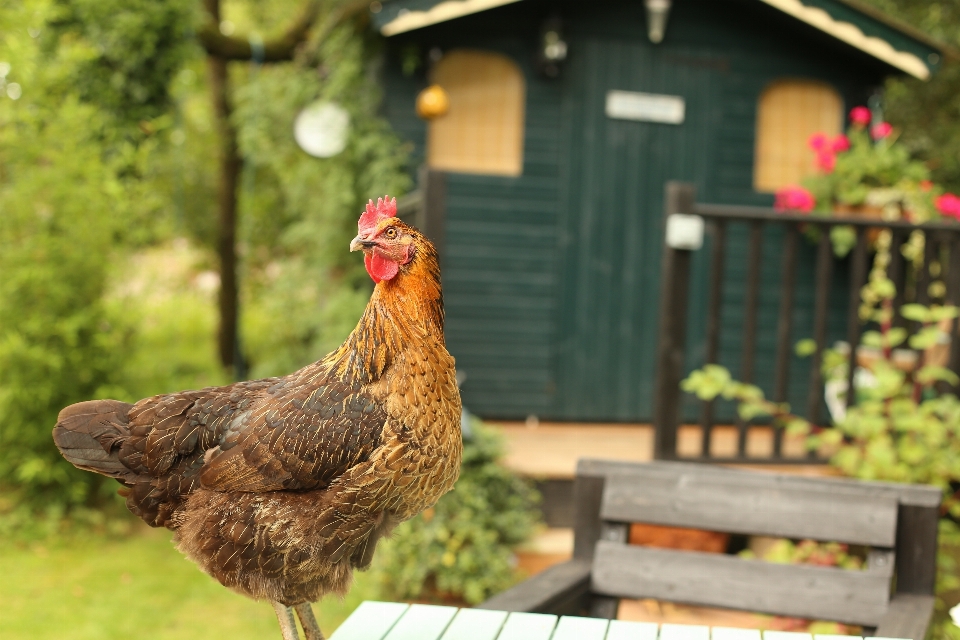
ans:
(275, 49)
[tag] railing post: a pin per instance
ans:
(679, 197)
(432, 217)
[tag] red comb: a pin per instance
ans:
(386, 207)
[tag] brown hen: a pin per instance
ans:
(279, 488)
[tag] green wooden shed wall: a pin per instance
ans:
(551, 279)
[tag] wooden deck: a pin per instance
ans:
(550, 450)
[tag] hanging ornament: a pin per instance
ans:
(432, 102)
(321, 129)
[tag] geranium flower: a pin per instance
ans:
(794, 198)
(841, 143)
(818, 142)
(826, 161)
(881, 131)
(949, 205)
(860, 116)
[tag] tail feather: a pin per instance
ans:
(89, 435)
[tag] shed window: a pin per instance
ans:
(789, 112)
(483, 130)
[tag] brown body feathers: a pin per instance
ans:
(280, 487)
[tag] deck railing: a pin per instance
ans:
(942, 246)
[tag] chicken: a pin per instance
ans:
(279, 488)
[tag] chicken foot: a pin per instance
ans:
(288, 626)
(311, 630)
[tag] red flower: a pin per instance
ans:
(926, 185)
(949, 205)
(841, 143)
(826, 161)
(860, 116)
(794, 198)
(881, 131)
(818, 142)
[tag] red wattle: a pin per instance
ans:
(379, 267)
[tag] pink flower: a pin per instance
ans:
(794, 198)
(860, 116)
(949, 205)
(881, 131)
(826, 161)
(841, 143)
(818, 142)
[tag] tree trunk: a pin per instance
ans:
(230, 166)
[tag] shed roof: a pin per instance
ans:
(849, 21)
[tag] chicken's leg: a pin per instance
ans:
(311, 630)
(288, 626)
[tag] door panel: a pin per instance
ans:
(612, 227)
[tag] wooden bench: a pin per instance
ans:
(897, 522)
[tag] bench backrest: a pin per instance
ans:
(893, 520)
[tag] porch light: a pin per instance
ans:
(657, 12)
(553, 47)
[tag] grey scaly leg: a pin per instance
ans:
(288, 626)
(311, 630)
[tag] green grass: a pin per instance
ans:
(137, 586)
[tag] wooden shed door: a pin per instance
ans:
(612, 230)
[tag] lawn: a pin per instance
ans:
(135, 586)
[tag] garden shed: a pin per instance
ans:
(565, 121)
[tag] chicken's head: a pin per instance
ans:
(386, 242)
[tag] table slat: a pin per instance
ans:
(622, 630)
(370, 621)
(475, 624)
(684, 632)
(528, 626)
(732, 633)
(422, 622)
(786, 635)
(576, 628)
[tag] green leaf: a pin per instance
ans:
(797, 427)
(896, 336)
(925, 338)
(806, 347)
(931, 374)
(945, 312)
(916, 312)
(872, 339)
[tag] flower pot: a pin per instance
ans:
(863, 211)
(652, 535)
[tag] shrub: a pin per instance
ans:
(462, 547)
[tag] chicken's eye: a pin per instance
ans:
(390, 233)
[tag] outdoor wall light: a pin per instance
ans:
(657, 12)
(553, 47)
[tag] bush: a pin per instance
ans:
(462, 547)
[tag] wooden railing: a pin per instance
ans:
(942, 246)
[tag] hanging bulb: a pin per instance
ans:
(657, 12)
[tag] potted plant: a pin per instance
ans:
(865, 173)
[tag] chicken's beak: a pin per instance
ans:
(359, 244)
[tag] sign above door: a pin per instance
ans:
(645, 107)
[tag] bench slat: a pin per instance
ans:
(735, 503)
(907, 494)
(827, 593)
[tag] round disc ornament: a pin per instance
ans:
(321, 129)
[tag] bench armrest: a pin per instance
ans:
(908, 616)
(561, 589)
